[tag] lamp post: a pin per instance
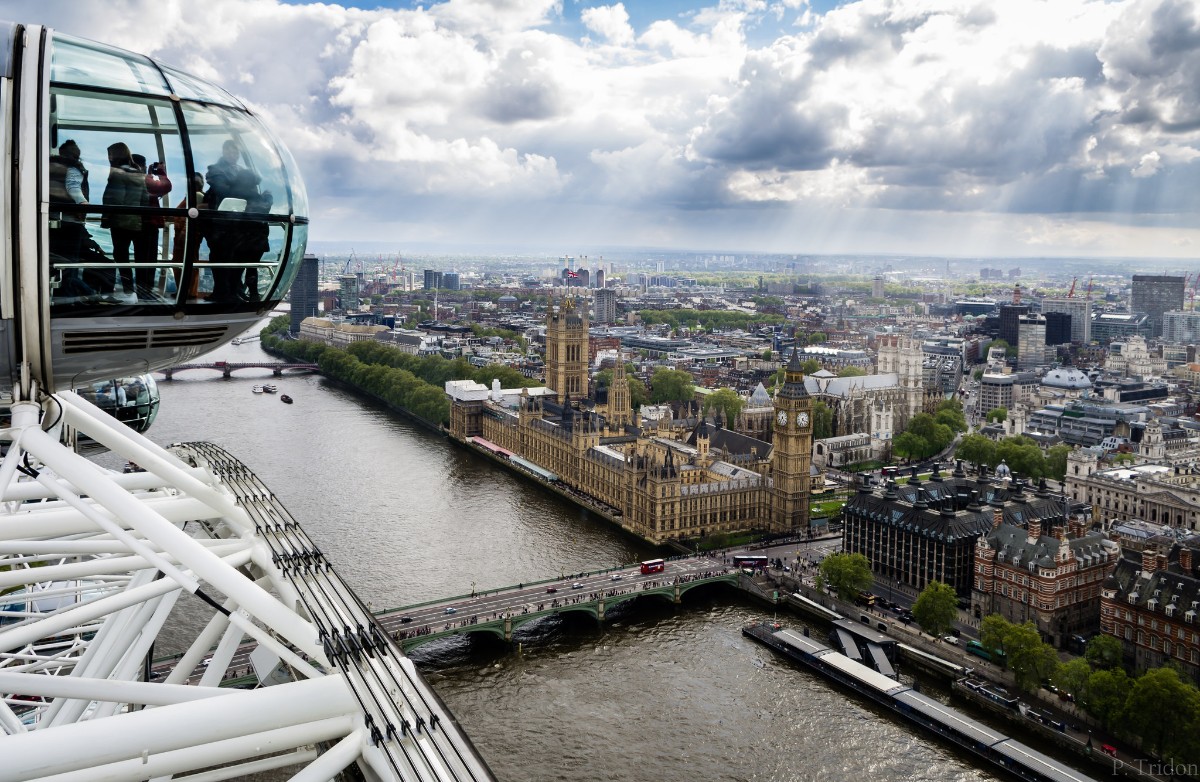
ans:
(472, 589)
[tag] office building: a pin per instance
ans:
(451, 281)
(1009, 316)
(877, 288)
(305, 302)
(1110, 326)
(1058, 328)
(918, 532)
(1156, 295)
(433, 280)
(1181, 327)
(1150, 602)
(604, 305)
(1081, 320)
(1049, 576)
(1031, 341)
(348, 292)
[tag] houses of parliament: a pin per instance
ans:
(662, 480)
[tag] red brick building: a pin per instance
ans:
(1151, 600)
(1051, 577)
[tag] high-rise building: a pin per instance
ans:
(1031, 341)
(450, 281)
(1058, 328)
(304, 291)
(1181, 327)
(1081, 320)
(604, 305)
(1155, 295)
(433, 280)
(877, 287)
(1009, 314)
(348, 291)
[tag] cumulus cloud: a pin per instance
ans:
(734, 108)
(610, 22)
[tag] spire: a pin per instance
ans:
(793, 379)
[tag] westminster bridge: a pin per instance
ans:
(227, 368)
(501, 612)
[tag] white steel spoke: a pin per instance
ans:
(93, 564)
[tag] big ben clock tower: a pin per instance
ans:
(791, 455)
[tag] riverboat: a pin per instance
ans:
(287, 400)
(257, 390)
(270, 389)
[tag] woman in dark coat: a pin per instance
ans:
(126, 187)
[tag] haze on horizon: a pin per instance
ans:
(915, 127)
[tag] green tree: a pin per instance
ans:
(1032, 660)
(996, 415)
(992, 630)
(1104, 651)
(1072, 676)
(767, 355)
(849, 574)
(1105, 695)
(1021, 456)
(1056, 461)
(909, 446)
(671, 385)
(852, 372)
(977, 374)
(936, 608)
(822, 420)
(817, 337)
(809, 366)
(977, 449)
(1154, 690)
(728, 401)
(950, 413)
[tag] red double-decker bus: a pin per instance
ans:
(654, 566)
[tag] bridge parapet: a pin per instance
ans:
(505, 624)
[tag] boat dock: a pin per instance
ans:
(999, 750)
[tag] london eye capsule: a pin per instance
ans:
(151, 216)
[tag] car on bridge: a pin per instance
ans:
(551, 590)
(450, 610)
(615, 577)
(577, 585)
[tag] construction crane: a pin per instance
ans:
(1195, 283)
(1017, 293)
(1089, 290)
(1071, 293)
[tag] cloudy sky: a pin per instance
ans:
(1021, 127)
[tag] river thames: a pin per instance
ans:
(665, 693)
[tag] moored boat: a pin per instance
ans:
(270, 389)
(257, 389)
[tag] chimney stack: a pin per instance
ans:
(1185, 560)
(1149, 560)
(997, 517)
(1035, 529)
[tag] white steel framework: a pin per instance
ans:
(93, 564)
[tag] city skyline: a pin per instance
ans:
(925, 127)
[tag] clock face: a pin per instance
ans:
(801, 419)
(781, 418)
